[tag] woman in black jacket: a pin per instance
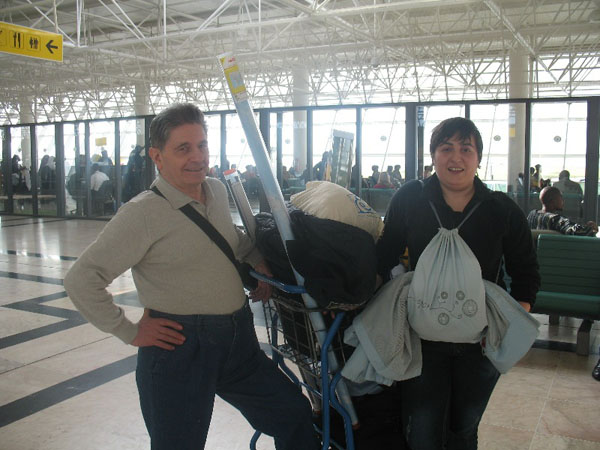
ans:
(442, 407)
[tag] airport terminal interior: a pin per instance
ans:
(363, 81)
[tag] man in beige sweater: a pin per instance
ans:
(196, 338)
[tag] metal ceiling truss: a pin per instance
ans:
(352, 51)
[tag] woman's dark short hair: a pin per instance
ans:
(449, 127)
(173, 117)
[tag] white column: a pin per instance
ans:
(25, 116)
(519, 87)
(300, 97)
(142, 108)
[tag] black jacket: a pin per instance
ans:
(498, 227)
(337, 260)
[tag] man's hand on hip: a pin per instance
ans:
(159, 332)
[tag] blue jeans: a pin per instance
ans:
(441, 409)
(221, 356)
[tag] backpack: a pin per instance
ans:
(446, 299)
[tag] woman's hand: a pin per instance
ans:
(526, 306)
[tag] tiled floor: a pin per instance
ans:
(65, 385)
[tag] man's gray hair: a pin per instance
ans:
(173, 117)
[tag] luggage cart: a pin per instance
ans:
(339, 398)
(292, 335)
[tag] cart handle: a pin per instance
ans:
(289, 288)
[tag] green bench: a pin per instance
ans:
(570, 272)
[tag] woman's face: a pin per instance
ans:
(456, 162)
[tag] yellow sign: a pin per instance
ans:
(100, 141)
(30, 42)
(234, 77)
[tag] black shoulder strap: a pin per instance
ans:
(207, 227)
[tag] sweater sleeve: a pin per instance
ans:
(520, 256)
(392, 243)
(245, 250)
(122, 243)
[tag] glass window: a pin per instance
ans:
(46, 170)
(238, 150)
(293, 148)
(75, 170)
(131, 159)
(383, 142)
(558, 143)
(5, 175)
(102, 172)
(432, 116)
(383, 137)
(325, 121)
(493, 124)
(213, 124)
(21, 164)
(287, 137)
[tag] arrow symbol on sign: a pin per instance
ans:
(49, 46)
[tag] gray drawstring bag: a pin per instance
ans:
(446, 300)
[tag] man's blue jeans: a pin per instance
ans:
(221, 356)
(441, 409)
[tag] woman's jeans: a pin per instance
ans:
(442, 408)
(221, 356)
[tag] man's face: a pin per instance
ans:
(184, 160)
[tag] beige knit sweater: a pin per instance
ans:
(176, 267)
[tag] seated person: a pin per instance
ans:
(250, 180)
(384, 182)
(397, 176)
(374, 178)
(549, 217)
(285, 177)
(427, 171)
(98, 177)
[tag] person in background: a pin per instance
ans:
(196, 337)
(133, 175)
(47, 176)
(214, 172)
(397, 176)
(374, 178)
(384, 182)
(321, 170)
(537, 182)
(443, 406)
(285, 177)
(250, 180)
(427, 171)
(104, 158)
(520, 182)
(566, 185)
(549, 217)
(98, 177)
